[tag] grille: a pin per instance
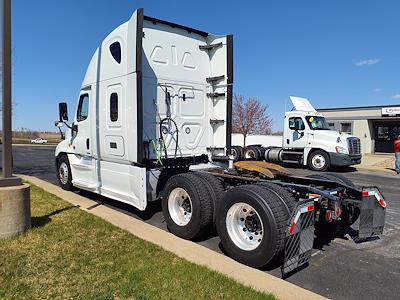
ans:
(354, 146)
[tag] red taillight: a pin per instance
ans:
(310, 208)
(338, 211)
(328, 216)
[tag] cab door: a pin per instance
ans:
(81, 139)
(82, 161)
(297, 137)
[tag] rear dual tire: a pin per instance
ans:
(237, 152)
(189, 202)
(251, 223)
(254, 152)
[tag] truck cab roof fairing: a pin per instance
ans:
(302, 104)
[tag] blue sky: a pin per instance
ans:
(337, 53)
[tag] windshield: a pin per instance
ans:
(317, 123)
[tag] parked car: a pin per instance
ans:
(38, 141)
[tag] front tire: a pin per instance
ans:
(64, 174)
(319, 161)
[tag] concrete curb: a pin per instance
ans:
(185, 249)
(36, 145)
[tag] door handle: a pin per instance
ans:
(87, 144)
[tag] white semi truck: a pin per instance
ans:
(153, 122)
(307, 140)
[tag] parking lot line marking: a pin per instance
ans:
(315, 253)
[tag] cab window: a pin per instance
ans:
(114, 107)
(83, 108)
(296, 123)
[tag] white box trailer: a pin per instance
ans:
(153, 121)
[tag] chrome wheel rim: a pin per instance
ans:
(318, 161)
(250, 154)
(180, 206)
(244, 226)
(234, 153)
(63, 173)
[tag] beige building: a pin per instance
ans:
(376, 126)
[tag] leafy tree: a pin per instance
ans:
(250, 116)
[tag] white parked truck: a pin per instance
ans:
(153, 122)
(307, 140)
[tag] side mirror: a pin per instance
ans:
(63, 111)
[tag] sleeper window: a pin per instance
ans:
(83, 108)
(114, 107)
(115, 49)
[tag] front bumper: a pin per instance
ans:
(342, 160)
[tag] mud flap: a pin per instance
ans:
(299, 237)
(372, 214)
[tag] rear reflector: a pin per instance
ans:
(292, 228)
(377, 196)
(365, 193)
(382, 203)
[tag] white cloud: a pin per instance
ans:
(376, 90)
(397, 96)
(368, 62)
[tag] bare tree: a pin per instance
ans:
(250, 117)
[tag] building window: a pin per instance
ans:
(115, 49)
(331, 126)
(345, 128)
(83, 108)
(114, 107)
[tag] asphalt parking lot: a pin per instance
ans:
(339, 268)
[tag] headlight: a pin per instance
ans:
(342, 150)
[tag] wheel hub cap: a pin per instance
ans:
(63, 173)
(318, 161)
(180, 206)
(244, 226)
